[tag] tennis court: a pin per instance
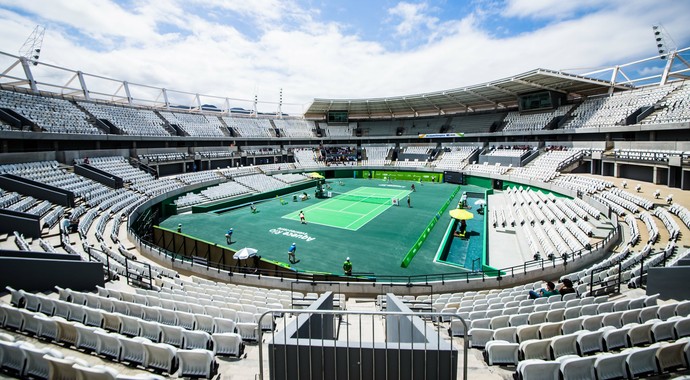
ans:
(351, 210)
(378, 245)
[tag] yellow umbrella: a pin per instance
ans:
(461, 214)
(315, 175)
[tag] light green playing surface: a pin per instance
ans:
(351, 213)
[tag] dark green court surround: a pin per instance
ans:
(376, 246)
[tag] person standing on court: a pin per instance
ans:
(408, 201)
(228, 236)
(291, 253)
(179, 227)
(347, 267)
(301, 218)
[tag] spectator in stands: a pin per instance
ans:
(566, 287)
(291, 254)
(86, 161)
(73, 224)
(347, 267)
(228, 236)
(550, 290)
(64, 224)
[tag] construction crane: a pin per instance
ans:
(31, 49)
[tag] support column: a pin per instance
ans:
(655, 176)
(615, 170)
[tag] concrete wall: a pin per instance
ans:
(68, 157)
(33, 274)
(16, 158)
(670, 282)
(404, 328)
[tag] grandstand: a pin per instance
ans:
(602, 202)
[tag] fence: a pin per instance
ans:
(314, 346)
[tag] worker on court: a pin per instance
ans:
(228, 236)
(347, 267)
(179, 228)
(291, 254)
(409, 202)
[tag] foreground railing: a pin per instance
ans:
(336, 344)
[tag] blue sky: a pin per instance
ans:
(335, 48)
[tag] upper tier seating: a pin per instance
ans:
(196, 124)
(51, 114)
(673, 109)
(295, 127)
(475, 123)
(533, 121)
(339, 130)
(131, 121)
(612, 110)
(250, 127)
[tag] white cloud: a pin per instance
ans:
(413, 17)
(551, 9)
(293, 50)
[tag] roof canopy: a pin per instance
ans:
(495, 95)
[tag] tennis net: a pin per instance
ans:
(361, 198)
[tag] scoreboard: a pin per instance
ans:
(338, 117)
(453, 177)
(540, 100)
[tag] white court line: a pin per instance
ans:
(378, 210)
(386, 207)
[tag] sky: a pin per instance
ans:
(332, 48)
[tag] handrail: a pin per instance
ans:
(425, 278)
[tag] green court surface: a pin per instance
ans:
(351, 210)
(373, 233)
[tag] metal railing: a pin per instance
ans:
(605, 287)
(539, 264)
(325, 345)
